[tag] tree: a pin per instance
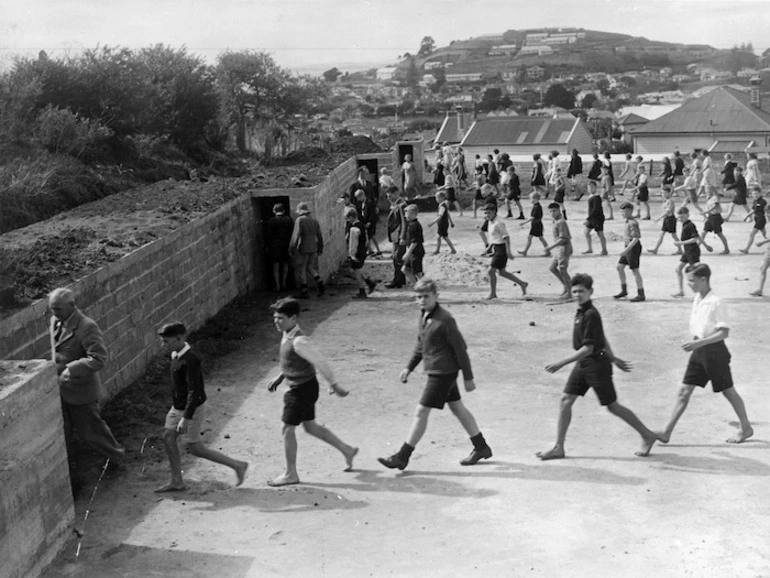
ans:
(411, 74)
(440, 75)
(427, 45)
(589, 100)
(332, 74)
(557, 95)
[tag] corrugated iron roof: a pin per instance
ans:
(721, 110)
(448, 131)
(631, 118)
(519, 131)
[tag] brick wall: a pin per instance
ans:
(36, 507)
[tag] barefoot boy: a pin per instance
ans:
(442, 350)
(669, 221)
(630, 255)
(299, 363)
(595, 219)
(765, 262)
(443, 221)
(500, 243)
(709, 357)
(760, 221)
(415, 249)
(593, 369)
(187, 413)
(535, 222)
(357, 243)
(690, 243)
(561, 249)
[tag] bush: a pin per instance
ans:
(60, 131)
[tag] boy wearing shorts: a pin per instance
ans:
(514, 193)
(709, 357)
(357, 243)
(641, 193)
(593, 369)
(714, 219)
(188, 412)
(500, 244)
(299, 363)
(740, 196)
(561, 249)
(630, 255)
(760, 221)
(535, 225)
(669, 221)
(482, 190)
(765, 262)
(443, 221)
(606, 191)
(443, 352)
(595, 219)
(415, 250)
(690, 242)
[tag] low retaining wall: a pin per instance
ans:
(36, 507)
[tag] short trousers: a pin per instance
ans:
(514, 194)
(632, 258)
(499, 257)
(558, 196)
(305, 261)
(440, 389)
(413, 264)
(536, 228)
(443, 230)
(690, 256)
(760, 222)
(713, 224)
(692, 195)
(595, 224)
(596, 373)
(643, 195)
(194, 427)
(299, 403)
(450, 195)
(478, 196)
(669, 224)
(709, 363)
(561, 255)
(740, 199)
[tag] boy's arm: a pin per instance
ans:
(457, 344)
(415, 360)
(622, 364)
(581, 353)
(720, 334)
(631, 245)
(355, 233)
(304, 349)
(273, 384)
(194, 377)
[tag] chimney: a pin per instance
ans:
(460, 121)
(754, 82)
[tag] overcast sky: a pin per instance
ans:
(309, 35)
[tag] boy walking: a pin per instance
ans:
(306, 245)
(443, 352)
(593, 369)
(561, 249)
(397, 236)
(443, 221)
(595, 219)
(299, 363)
(357, 244)
(765, 262)
(690, 243)
(535, 224)
(714, 219)
(760, 221)
(630, 255)
(500, 244)
(709, 357)
(669, 221)
(415, 250)
(188, 412)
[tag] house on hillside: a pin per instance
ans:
(722, 120)
(386, 73)
(525, 135)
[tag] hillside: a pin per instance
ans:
(579, 49)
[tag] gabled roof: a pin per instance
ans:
(520, 131)
(448, 131)
(721, 110)
(631, 118)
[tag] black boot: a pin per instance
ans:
(623, 292)
(399, 460)
(639, 297)
(481, 451)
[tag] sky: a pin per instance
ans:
(311, 36)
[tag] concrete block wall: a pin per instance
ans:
(36, 509)
(188, 276)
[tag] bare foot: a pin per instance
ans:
(240, 472)
(741, 436)
(604, 253)
(349, 460)
(490, 297)
(652, 251)
(555, 453)
(283, 480)
(662, 436)
(756, 293)
(744, 251)
(524, 286)
(680, 294)
(171, 487)
(725, 252)
(587, 252)
(647, 444)
(522, 253)
(709, 248)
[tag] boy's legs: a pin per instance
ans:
(640, 296)
(565, 417)
(480, 448)
(511, 277)
(762, 277)
(290, 475)
(628, 416)
(545, 245)
(174, 461)
(679, 279)
(746, 430)
(722, 238)
(526, 246)
(199, 450)
(587, 234)
(438, 245)
(602, 241)
(492, 283)
(683, 398)
(623, 284)
(450, 245)
(419, 425)
(325, 434)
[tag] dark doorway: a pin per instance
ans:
(263, 256)
(403, 150)
(372, 166)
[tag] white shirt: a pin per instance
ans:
(708, 314)
(181, 352)
(497, 232)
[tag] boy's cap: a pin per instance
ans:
(172, 330)
(303, 209)
(626, 205)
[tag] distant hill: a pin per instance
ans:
(578, 49)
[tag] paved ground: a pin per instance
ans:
(697, 507)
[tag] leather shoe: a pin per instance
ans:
(397, 462)
(476, 455)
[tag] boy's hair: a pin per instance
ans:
(626, 205)
(738, 169)
(278, 209)
(555, 206)
(175, 329)
(441, 195)
(683, 211)
(666, 188)
(592, 185)
(699, 270)
(582, 279)
(490, 207)
(425, 285)
(411, 208)
(351, 212)
(535, 196)
(287, 306)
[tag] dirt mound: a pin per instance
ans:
(355, 145)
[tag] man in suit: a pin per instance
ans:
(77, 348)
(306, 245)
